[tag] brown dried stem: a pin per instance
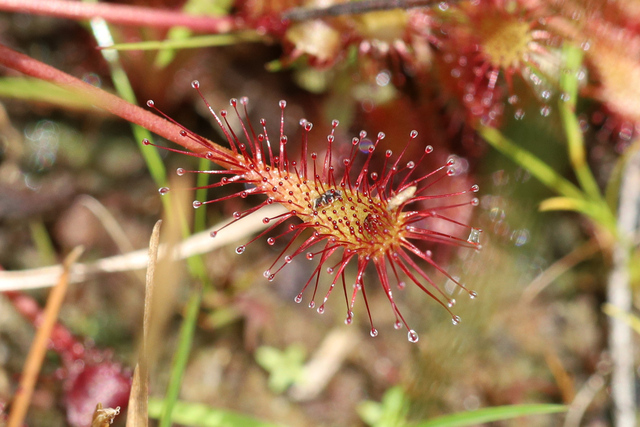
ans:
(39, 346)
(351, 8)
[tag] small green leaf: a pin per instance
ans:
(487, 415)
(196, 414)
(390, 412)
(285, 367)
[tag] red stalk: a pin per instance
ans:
(121, 14)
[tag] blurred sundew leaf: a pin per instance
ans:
(487, 415)
(197, 414)
(191, 42)
(38, 90)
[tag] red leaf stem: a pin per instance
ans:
(121, 14)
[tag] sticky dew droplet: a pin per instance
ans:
(240, 249)
(473, 294)
(196, 204)
(455, 320)
(397, 325)
(451, 303)
(349, 318)
(163, 190)
(298, 298)
(545, 111)
(213, 234)
(412, 336)
(373, 332)
(474, 236)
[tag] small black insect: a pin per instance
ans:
(326, 198)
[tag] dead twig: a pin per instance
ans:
(39, 346)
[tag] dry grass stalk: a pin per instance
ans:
(40, 343)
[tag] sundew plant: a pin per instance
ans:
(427, 163)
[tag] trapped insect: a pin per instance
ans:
(326, 198)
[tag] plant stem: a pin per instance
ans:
(351, 8)
(121, 14)
(619, 295)
(181, 356)
(40, 344)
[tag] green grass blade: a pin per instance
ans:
(200, 219)
(197, 414)
(543, 172)
(180, 358)
(121, 82)
(487, 415)
(31, 89)
(566, 204)
(195, 264)
(190, 43)
(575, 141)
